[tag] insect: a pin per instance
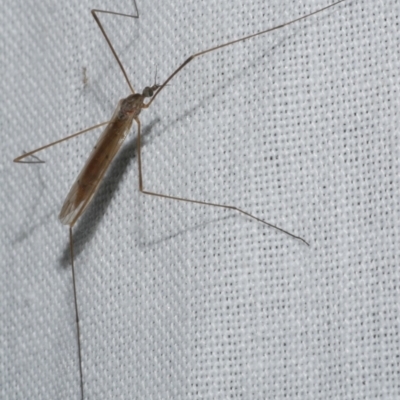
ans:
(111, 140)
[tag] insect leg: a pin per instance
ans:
(21, 157)
(97, 19)
(229, 207)
(71, 247)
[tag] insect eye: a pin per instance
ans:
(147, 92)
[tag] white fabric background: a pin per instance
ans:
(178, 301)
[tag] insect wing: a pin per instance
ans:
(88, 181)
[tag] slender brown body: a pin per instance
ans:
(110, 141)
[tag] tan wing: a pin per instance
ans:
(88, 181)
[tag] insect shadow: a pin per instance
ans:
(87, 224)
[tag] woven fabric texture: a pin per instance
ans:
(299, 127)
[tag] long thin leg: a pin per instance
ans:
(37, 160)
(21, 157)
(71, 247)
(96, 18)
(193, 56)
(142, 190)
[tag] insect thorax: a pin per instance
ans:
(131, 106)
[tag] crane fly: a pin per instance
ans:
(111, 140)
